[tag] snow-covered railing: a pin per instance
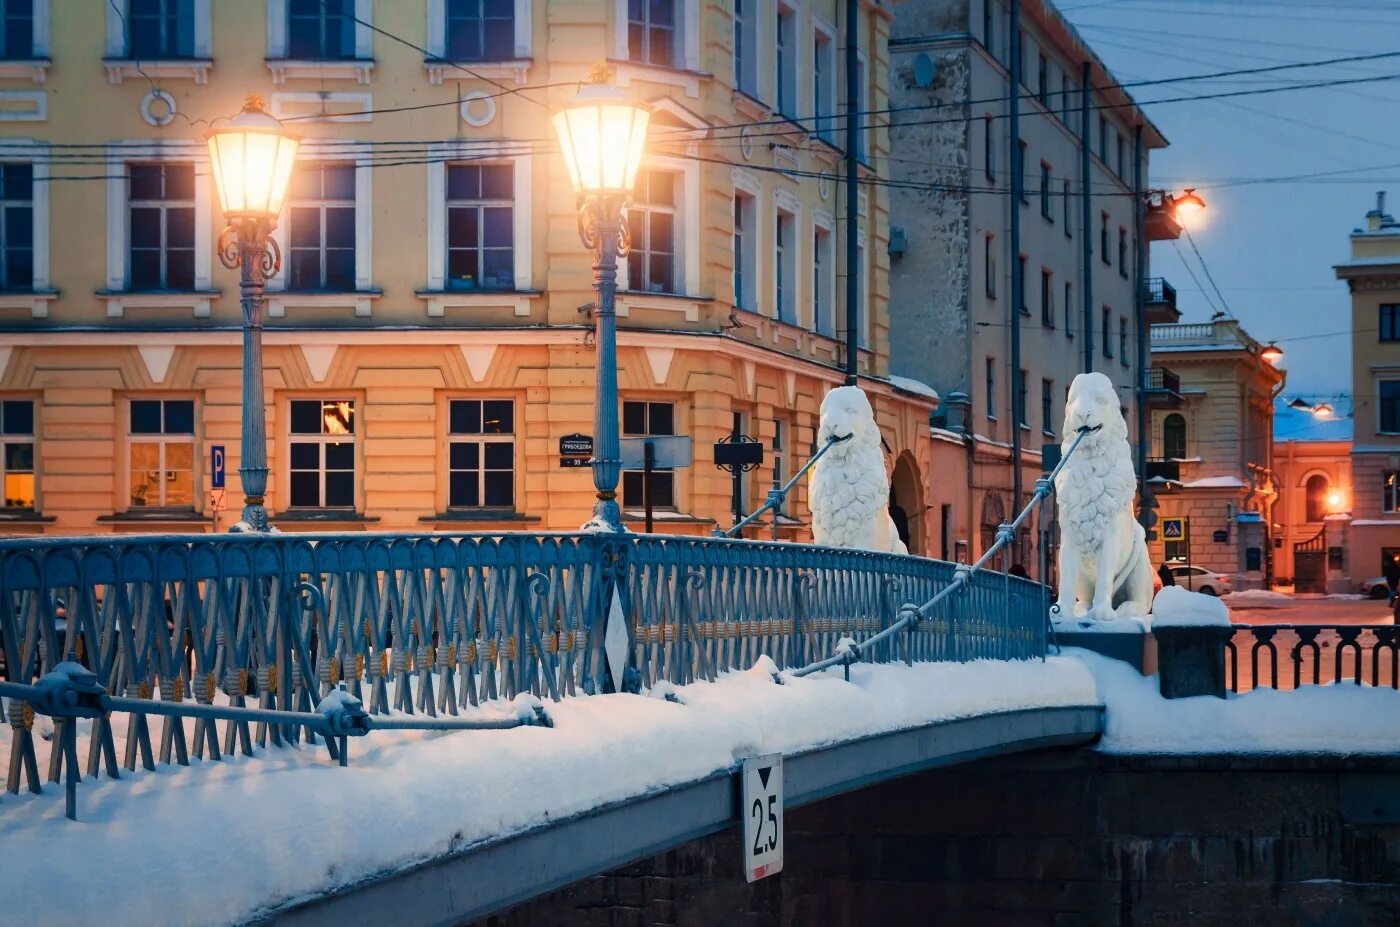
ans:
(432, 626)
(1361, 654)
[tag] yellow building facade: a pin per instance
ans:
(428, 338)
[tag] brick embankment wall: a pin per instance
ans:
(1068, 839)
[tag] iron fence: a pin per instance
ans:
(1312, 655)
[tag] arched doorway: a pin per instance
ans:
(907, 504)
(1317, 489)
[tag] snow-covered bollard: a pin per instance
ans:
(1191, 631)
(529, 710)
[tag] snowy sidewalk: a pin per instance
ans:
(219, 842)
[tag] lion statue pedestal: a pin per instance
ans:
(850, 491)
(1103, 551)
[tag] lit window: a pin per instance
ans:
(160, 213)
(651, 264)
(480, 30)
(16, 227)
(162, 453)
(322, 445)
(1390, 492)
(648, 419)
(17, 452)
(480, 227)
(320, 29)
(481, 453)
(322, 239)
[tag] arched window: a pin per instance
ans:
(1174, 436)
(1317, 488)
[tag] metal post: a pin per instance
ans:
(1086, 219)
(1018, 279)
(248, 245)
(602, 229)
(852, 193)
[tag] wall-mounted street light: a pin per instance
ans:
(603, 133)
(1187, 205)
(1165, 214)
(1271, 353)
(251, 157)
(1322, 410)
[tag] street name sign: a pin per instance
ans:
(761, 797)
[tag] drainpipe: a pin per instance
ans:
(1086, 219)
(1018, 280)
(1146, 501)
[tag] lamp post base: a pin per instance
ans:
(607, 519)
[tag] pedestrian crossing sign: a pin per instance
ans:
(1173, 529)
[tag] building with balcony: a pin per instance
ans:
(1312, 463)
(1083, 147)
(428, 337)
(1211, 450)
(1372, 275)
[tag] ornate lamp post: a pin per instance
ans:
(602, 133)
(251, 157)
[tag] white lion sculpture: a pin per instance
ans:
(849, 491)
(1103, 554)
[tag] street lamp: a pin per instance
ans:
(1271, 353)
(1187, 205)
(251, 157)
(602, 133)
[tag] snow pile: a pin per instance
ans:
(1334, 719)
(1085, 625)
(302, 826)
(1177, 606)
(1258, 598)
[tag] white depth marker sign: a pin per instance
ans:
(761, 794)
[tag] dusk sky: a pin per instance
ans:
(1269, 243)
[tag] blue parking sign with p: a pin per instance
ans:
(216, 466)
(1173, 529)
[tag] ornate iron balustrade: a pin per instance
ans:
(433, 625)
(1158, 290)
(1361, 654)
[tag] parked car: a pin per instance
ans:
(1198, 579)
(1376, 588)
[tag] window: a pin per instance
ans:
(992, 388)
(785, 60)
(1107, 325)
(480, 227)
(1047, 299)
(989, 149)
(1021, 398)
(780, 474)
(1042, 87)
(480, 453)
(1047, 406)
(862, 298)
(322, 453)
(862, 105)
(1390, 492)
(1021, 147)
(1103, 139)
(989, 27)
(160, 214)
(1123, 339)
(746, 46)
(1068, 212)
(823, 78)
(319, 30)
(989, 265)
(1176, 550)
(160, 29)
(1103, 239)
(651, 264)
(1066, 98)
(322, 239)
(1122, 252)
(480, 30)
(1390, 405)
(1118, 143)
(16, 226)
(651, 31)
(822, 304)
(162, 453)
(17, 452)
(1021, 271)
(648, 419)
(17, 29)
(1174, 437)
(1069, 309)
(1389, 328)
(1316, 501)
(1045, 192)
(784, 270)
(744, 274)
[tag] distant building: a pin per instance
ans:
(1312, 464)
(1373, 277)
(952, 261)
(1211, 456)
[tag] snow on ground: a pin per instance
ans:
(1335, 719)
(219, 842)
(1258, 598)
(1177, 606)
(1082, 624)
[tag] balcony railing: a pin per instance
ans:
(1160, 378)
(1158, 290)
(1162, 469)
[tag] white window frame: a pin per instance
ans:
(33, 441)
(864, 332)
(745, 255)
(793, 256)
(36, 66)
(162, 439)
(284, 68)
(788, 66)
(747, 184)
(121, 65)
(513, 438)
(119, 155)
(503, 152)
(357, 412)
(517, 68)
(748, 32)
(35, 154)
(686, 76)
(364, 228)
(687, 225)
(826, 129)
(826, 224)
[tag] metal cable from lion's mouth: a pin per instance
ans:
(1089, 429)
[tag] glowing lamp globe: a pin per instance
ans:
(251, 157)
(1334, 500)
(1322, 410)
(1188, 204)
(602, 132)
(1272, 353)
